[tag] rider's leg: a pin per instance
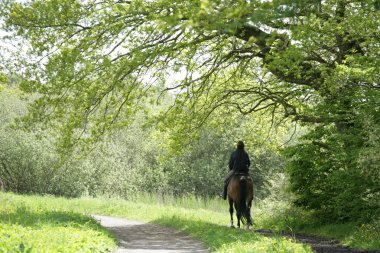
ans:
(225, 190)
(226, 181)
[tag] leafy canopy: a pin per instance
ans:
(93, 61)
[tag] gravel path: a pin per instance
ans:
(136, 237)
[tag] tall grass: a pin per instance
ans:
(185, 201)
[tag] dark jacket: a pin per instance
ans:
(239, 161)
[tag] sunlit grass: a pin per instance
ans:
(224, 239)
(30, 224)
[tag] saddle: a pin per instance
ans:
(242, 175)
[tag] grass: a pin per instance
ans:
(224, 239)
(26, 226)
(54, 221)
(282, 217)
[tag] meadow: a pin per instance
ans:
(54, 224)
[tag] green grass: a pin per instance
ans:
(224, 239)
(282, 217)
(28, 226)
(58, 219)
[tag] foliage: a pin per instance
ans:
(335, 171)
(28, 164)
(3, 78)
(28, 160)
(141, 158)
(103, 57)
(125, 163)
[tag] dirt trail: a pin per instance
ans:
(136, 237)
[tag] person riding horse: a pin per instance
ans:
(239, 163)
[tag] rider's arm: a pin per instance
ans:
(231, 163)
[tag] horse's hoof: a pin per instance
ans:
(232, 226)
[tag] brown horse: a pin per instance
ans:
(240, 195)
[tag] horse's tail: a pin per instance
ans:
(243, 210)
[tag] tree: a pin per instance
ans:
(315, 62)
(29, 164)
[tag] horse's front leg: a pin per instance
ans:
(231, 213)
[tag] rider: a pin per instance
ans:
(239, 163)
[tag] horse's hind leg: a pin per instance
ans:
(248, 215)
(231, 212)
(238, 215)
(249, 212)
(238, 220)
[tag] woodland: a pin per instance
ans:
(118, 98)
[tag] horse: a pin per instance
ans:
(240, 195)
